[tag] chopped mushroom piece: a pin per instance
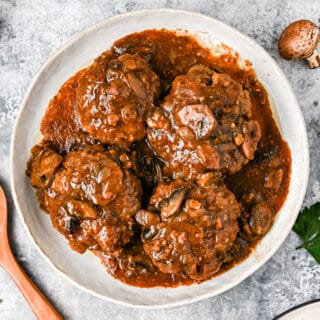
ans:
(42, 165)
(261, 218)
(171, 205)
(147, 218)
(299, 41)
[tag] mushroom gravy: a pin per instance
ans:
(162, 159)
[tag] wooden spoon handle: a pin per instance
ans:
(36, 300)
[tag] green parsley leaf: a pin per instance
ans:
(1, 300)
(307, 227)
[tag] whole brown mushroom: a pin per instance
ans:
(299, 41)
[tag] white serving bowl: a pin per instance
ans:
(86, 271)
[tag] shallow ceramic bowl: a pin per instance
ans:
(86, 271)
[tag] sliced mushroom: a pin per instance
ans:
(131, 63)
(208, 178)
(137, 263)
(299, 41)
(42, 166)
(252, 135)
(261, 217)
(147, 218)
(135, 84)
(149, 233)
(72, 224)
(171, 205)
(199, 119)
(81, 209)
(194, 208)
(158, 178)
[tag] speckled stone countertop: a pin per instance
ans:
(30, 30)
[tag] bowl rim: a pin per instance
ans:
(298, 307)
(32, 85)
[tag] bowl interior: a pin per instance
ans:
(86, 270)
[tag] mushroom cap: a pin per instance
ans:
(299, 40)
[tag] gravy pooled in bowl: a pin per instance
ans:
(162, 159)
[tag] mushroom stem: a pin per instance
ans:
(314, 60)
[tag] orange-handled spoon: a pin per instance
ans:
(38, 303)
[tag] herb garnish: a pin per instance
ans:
(308, 227)
(1, 300)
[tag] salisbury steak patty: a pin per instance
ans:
(189, 227)
(204, 124)
(111, 102)
(92, 201)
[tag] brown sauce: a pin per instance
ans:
(156, 217)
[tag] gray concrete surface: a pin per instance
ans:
(30, 30)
